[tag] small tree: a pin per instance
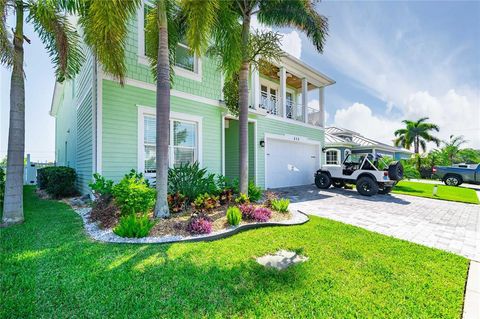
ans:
(451, 147)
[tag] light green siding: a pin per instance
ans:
(209, 87)
(232, 151)
(120, 127)
(74, 125)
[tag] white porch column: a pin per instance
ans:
(255, 87)
(283, 91)
(305, 99)
(321, 102)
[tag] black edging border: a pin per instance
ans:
(240, 229)
(232, 232)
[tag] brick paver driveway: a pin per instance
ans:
(450, 226)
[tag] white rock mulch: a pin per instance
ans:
(107, 235)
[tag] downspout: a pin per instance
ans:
(94, 116)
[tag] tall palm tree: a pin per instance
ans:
(452, 147)
(165, 27)
(61, 42)
(416, 133)
(105, 26)
(230, 22)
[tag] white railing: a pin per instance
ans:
(314, 117)
(269, 104)
(294, 111)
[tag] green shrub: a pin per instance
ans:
(57, 181)
(101, 186)
(280, 205)
(254, 192)
(205, 202)
(191, 181)
(2, 185)
(133, 195)
(242, 199)
(269, 197)
(234, 216)
(134, 226)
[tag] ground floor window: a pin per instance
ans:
(183, 143)
(332, 157)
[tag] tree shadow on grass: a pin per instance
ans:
(407, 189)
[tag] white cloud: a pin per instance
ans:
(359, 118)
(291, 42)
(415, 73)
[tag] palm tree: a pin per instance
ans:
(452, 146)
(416, 133)
(105, 26)
(61, 42)
(165, 27)
(233, 41)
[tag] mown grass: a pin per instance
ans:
(49, 268)
(451, 193)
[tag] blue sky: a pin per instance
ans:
(391, 61)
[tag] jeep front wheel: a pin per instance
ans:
(323, 180)
(366, 186)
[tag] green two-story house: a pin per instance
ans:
(106, 128)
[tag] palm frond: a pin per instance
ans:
(265, 45)
(299, 14)
(59, 36)
(227, 39)
(6, 46)
(105, 26)
(201, 18)
(176, 31)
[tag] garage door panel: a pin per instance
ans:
(290, 163)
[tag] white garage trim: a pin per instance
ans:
(290, 138)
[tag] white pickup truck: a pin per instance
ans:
(363, 171)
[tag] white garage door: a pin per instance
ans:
(290, 163)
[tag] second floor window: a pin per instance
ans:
(185, 58)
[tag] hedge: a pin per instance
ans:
(57, 181)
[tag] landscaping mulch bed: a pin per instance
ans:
(176, 225)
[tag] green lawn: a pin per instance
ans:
(451, 193)
(49, 268)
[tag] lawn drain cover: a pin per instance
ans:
(282, 259)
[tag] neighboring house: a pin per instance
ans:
(340, 142)
(106, 128)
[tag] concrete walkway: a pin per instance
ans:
(454, 227)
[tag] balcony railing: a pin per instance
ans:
(294, 111)
(269, 103)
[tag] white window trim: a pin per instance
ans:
(150, 111)
(142, 58)
(333, 150)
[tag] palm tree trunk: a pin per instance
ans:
(243, 107)
(163, 114)
(13, 203)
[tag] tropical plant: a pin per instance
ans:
(133, 195)
(200, 224)
(261, 214)
(269, 198)
(469, 155)
(451, 147)
(134, 226)
(104, 25)
(254, 192)
(101, 186)
(176, 202)
(416, 133)
(234, 216)
(242, 199)
(191, 181)
(232, 42)
(280, 205)
(247, 211)
(205, 202)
